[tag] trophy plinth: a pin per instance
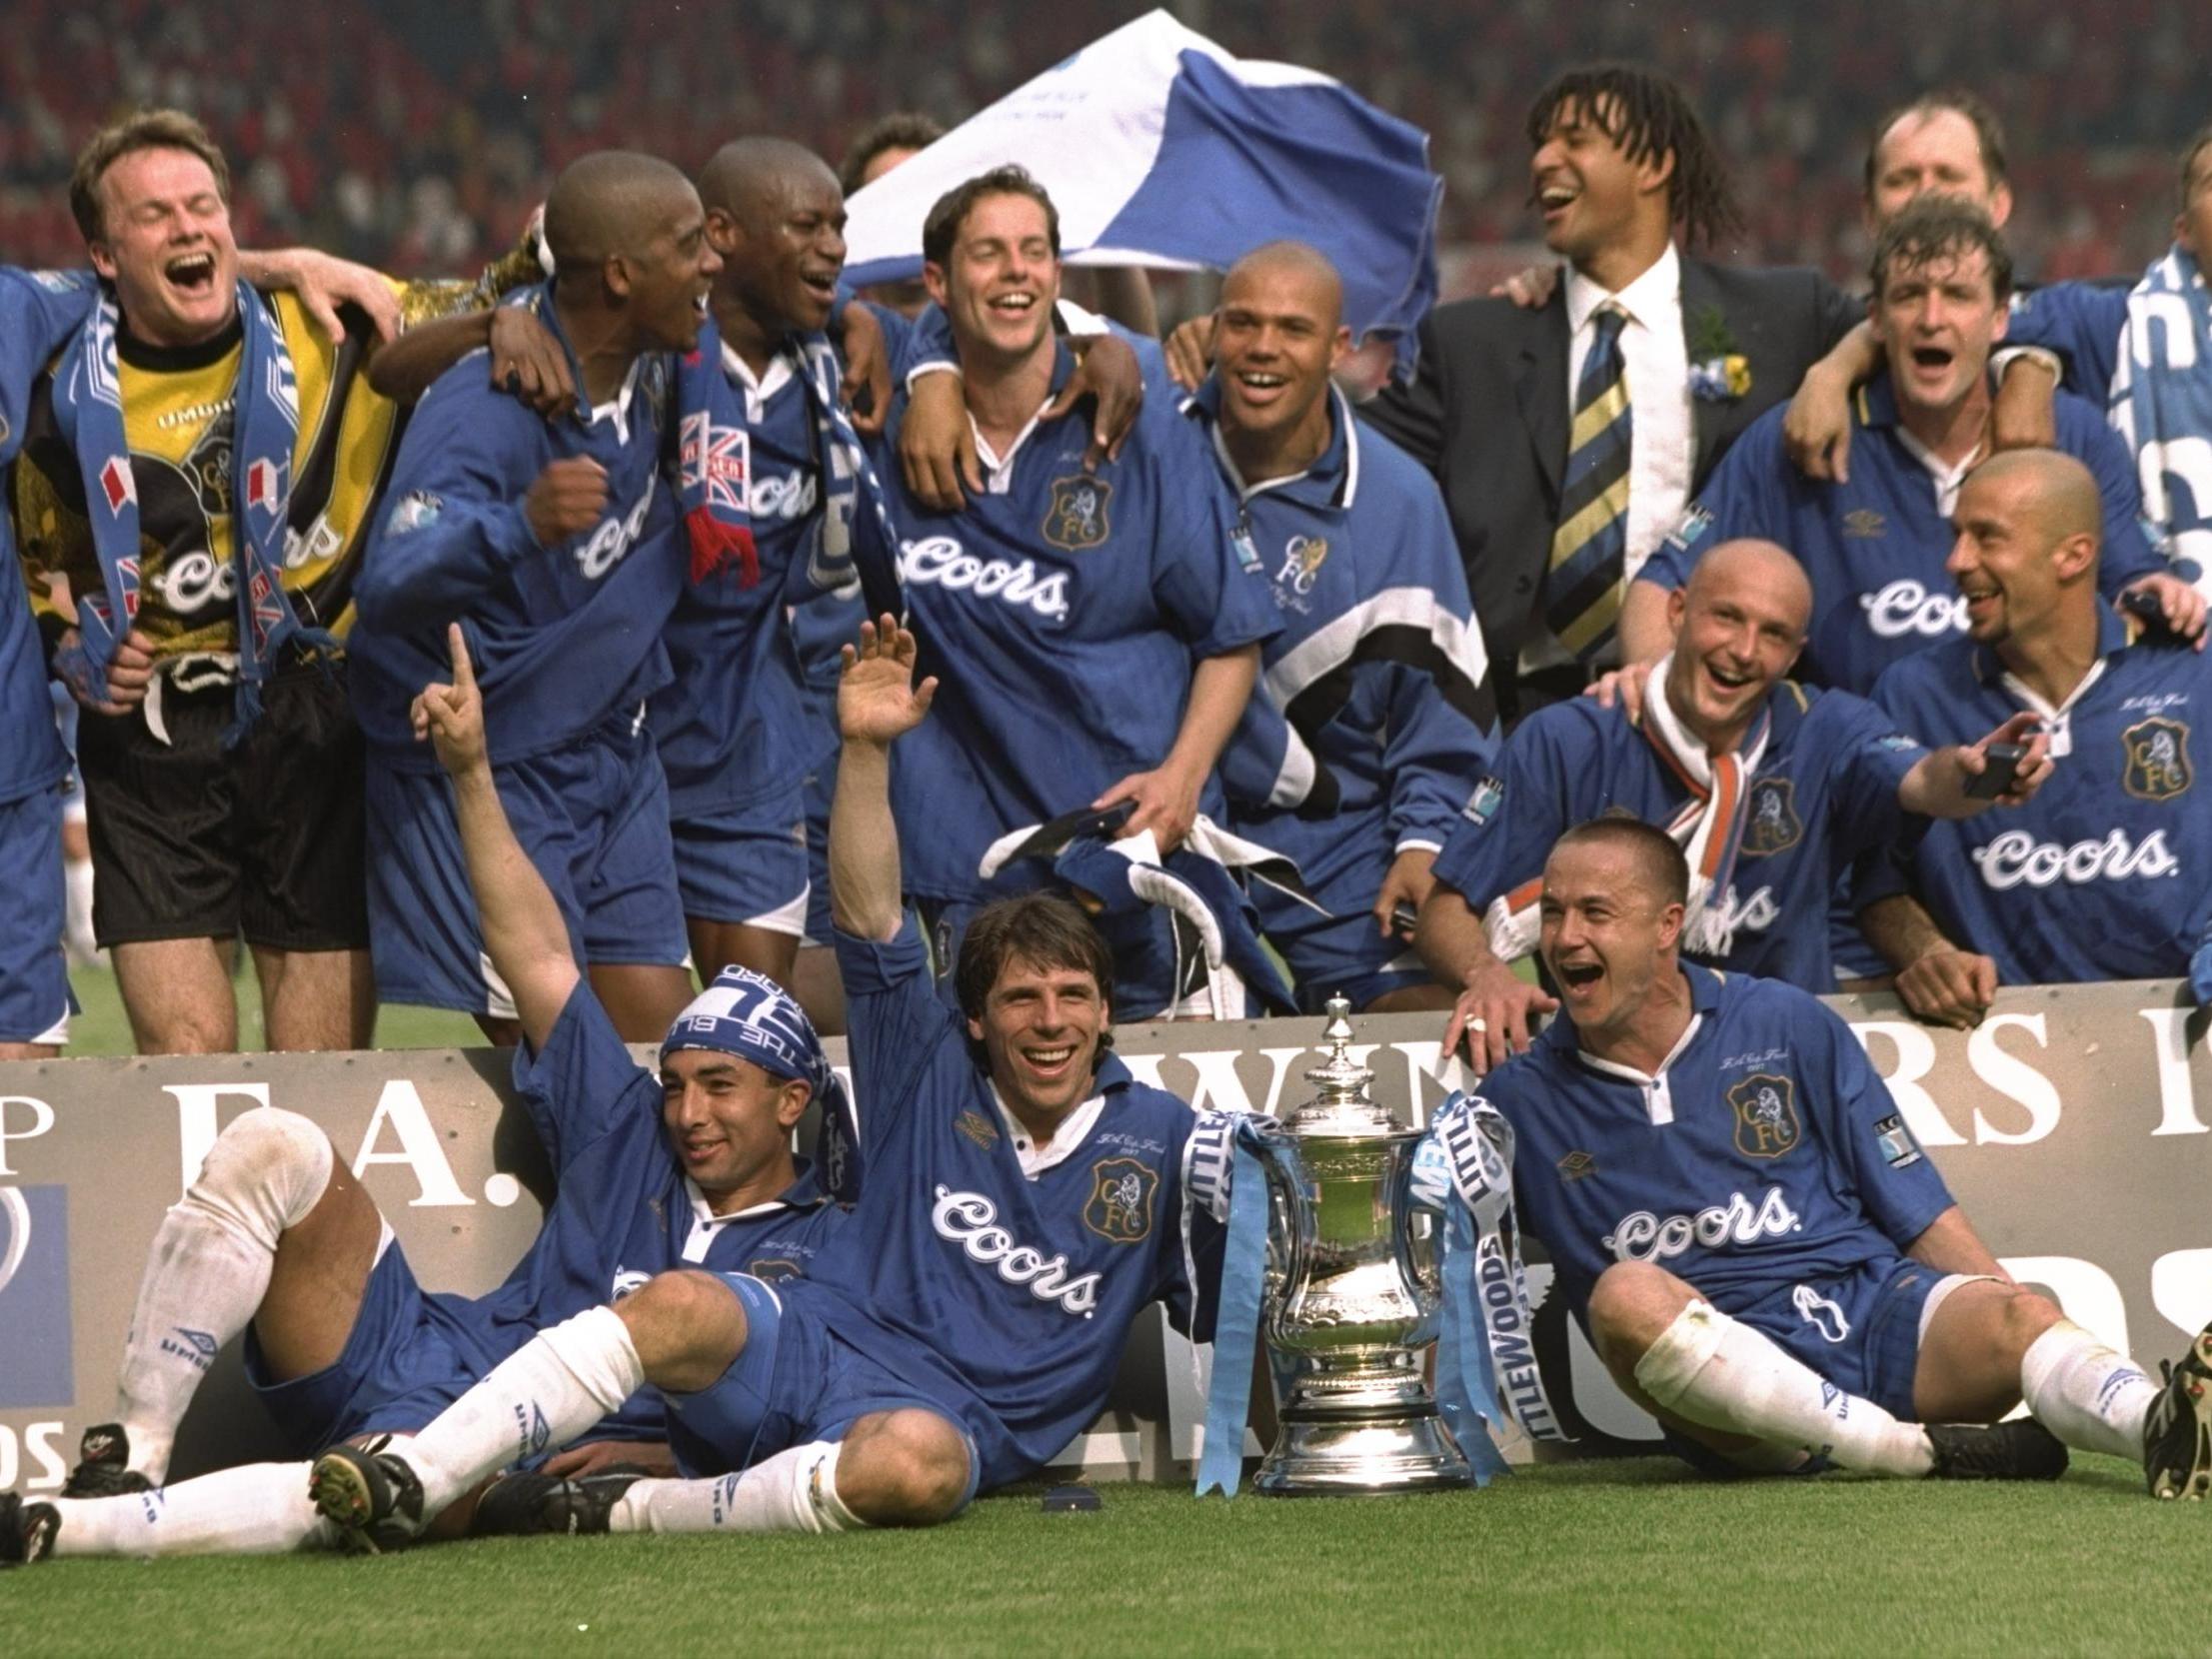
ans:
(1350, 1285)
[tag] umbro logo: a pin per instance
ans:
(1577, 1164)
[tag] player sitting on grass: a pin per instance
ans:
(691, 1165)
(1019, 1204)
(1762, 1254)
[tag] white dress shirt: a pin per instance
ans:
(1662, 443)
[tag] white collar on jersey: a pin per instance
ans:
(706, 1224)
(1658, 1100)
(2058, 723)
(1073, 1130)
(1947, 477)
(759, 388)
(617, 409)
(1341, 408)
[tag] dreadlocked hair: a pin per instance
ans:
(1648, 116)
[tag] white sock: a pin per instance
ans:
(2086, 1393)
(542, 1396)
(209, 1270)
(1715, 1371)
(260, 1509)
(793, 1492)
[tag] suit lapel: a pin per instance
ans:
(1708, 417)
(1540, 386)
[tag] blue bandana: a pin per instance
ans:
(750, 1015)
(88, 410)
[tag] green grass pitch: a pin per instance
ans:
(100, 1028)
(1640, 1557)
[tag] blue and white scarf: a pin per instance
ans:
(2161, 402)
(857, 535)
(265, 421)
(1181, 919)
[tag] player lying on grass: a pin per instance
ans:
(1019, 1210)
(691, 1165)
(1762, 1254)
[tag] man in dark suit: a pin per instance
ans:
(1619, 160)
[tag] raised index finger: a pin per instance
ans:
(457, 647)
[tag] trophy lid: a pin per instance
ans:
(1342, 1107)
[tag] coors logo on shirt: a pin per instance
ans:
(941, 561)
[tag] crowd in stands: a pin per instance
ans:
(417, 135)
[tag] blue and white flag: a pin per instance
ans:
(1160, 149)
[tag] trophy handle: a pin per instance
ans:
(1287, 1247)
(1416, 1238)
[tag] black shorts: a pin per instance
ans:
(194, 841)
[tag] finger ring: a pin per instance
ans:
(1478, 1024)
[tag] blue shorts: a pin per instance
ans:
(34, 978)
(411, 1354)
(1860, 1331)
(593, 816)
(747, 865)
(1340, 953)
(796, 1382)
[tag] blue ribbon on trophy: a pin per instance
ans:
(1222, 1173)
(1463, 1171)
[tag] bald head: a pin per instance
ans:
(2056, 493)
(611, 204)
(1290, 267)
(750, 176)
(1753, 568)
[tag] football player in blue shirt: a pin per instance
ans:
(1098, 633)
(2107, 873)
(1373, 710)
(1018, 1210)
(1874, 545)
(729, 723)
(556, 544)
(692, 1165)
(1774, 790)
(1759, 1251)
(39, 311)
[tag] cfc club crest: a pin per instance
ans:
(1077, 518)
(1121, 1206)
(2157, 759)
(1766, 1115)
(1771, 825)
(1301, 563)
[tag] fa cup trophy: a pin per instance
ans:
(1352, 1284)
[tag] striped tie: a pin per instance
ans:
(1581, 596)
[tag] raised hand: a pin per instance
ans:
(877, 700)
(451, 716)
